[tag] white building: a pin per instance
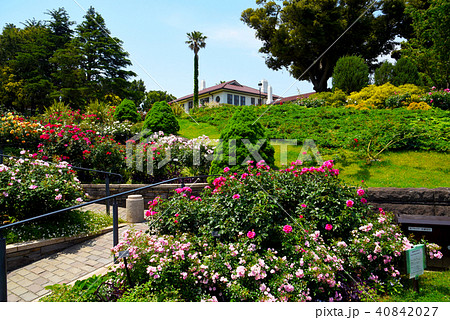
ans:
(231, 92)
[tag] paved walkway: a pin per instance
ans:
(79, 261)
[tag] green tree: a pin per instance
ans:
(104, 60)
(136, 91)
(429, 45)
(127, 110)
(196, 41)
(405, 71)
(242, 140)
(297, 34)
(26, 72)
(161, 118)
(155, 96)
(383, 73)
(350, 74)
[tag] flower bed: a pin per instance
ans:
(292, 235)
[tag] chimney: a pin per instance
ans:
(202, 85)
(264, 85)
(269, 95)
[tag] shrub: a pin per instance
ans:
(32, 187)
(291, 235)
(377, 95)
(335, 99)
(418, 106)
(405, 72)
(161, 118)
(438, 98)
(384, 73)
(82, 148)
(127, 110)
(169, 156)
(350, 74)
(243, 139)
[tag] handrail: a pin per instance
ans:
(3, 267)
(69, 165)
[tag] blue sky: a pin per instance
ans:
(154, 34)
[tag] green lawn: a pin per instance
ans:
(407, 169)
(434, 286)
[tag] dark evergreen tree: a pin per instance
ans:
(161, 118)
(104, 60)
(384, 73)
(234, 151)
(350, 74)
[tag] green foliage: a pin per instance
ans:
(102, 111)
(48, 60)
(196, 41)
(429, 45)
(161, 118)
(405, 72)
(72, 223)
(154, 96)
(295, 33)
(350, 74)
(374, 96)
(234, 150)
(345, 124)
(127, 110)
(32, 187)
(438, 98)
(384, 73)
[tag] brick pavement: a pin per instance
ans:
(90, 257)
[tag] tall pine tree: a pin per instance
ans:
(104, 60)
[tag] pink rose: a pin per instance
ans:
(360, 192)
(251, 234)
(236, 196)
(349, 203)
(328, 227)
(287, 228)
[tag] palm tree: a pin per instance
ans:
(196, 40)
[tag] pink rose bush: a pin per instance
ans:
(300, 247)
(31, 187)
(304, 244)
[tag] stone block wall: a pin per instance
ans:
(97, 191)
(412, 201)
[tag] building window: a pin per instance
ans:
(242, 101)
(236, 100)
(229, 98)
(252, 101)
(190, 104)
(217, 99)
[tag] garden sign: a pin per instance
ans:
(415, 261)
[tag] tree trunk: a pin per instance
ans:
(195, 80)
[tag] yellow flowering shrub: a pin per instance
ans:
(376, 96)
(418, 106)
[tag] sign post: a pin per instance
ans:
(415, 263)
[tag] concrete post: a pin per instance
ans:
(135, 208)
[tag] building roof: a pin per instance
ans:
(232, 85)
(292, 98)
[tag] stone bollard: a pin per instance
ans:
(135, 208)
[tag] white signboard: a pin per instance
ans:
(415, 261)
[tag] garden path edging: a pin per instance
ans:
(21, 254)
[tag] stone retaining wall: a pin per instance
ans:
(97, 191)
(412, 201)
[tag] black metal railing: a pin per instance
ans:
(106, 173)
(3, 264)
